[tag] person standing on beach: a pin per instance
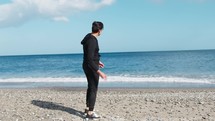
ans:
(91, 64)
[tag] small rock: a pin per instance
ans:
(146, 99)
(199, 102)
(203, 117)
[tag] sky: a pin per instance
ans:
(29, 27)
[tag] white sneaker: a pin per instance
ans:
(93, 116)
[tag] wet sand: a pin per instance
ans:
(68, 104)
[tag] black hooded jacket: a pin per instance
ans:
(91, 51)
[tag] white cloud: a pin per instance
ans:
(20, 11)
(61, 18)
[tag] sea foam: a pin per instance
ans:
(115, 79)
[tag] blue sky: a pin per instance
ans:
(28, 27)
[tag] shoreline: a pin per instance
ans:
(102, 84)
(113, 104)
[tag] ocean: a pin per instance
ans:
(161, 69)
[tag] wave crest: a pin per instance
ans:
(115, 79)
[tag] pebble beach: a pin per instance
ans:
(68, 104)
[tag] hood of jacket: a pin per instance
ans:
(87, 37)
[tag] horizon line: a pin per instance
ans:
(104, 52)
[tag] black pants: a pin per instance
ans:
(93, 81)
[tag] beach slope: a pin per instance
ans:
(67, 104)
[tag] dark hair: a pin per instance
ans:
(96, 26)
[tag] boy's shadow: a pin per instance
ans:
(55, 106)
